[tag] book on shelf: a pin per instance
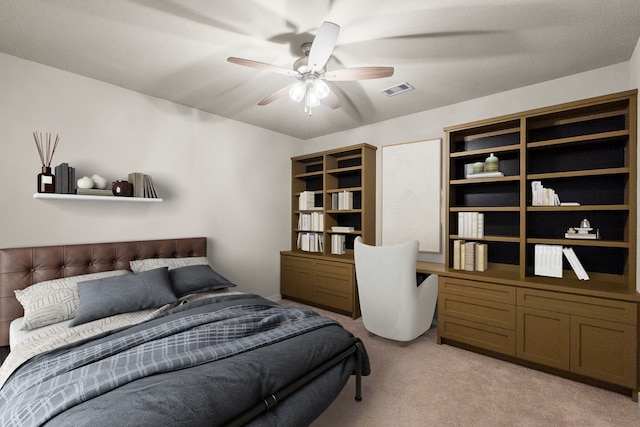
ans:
(471, 225)
(484, 174)
(342, 229)
(338, 243)
(548, 260)
(469, 256)
(575, 263)
(456, 253)
(481, 256)
(93, 192)
(581, 236)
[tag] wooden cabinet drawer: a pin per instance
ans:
(296, 262)
(336, 282)
(332, 298)
(477, 334)
(478, 290)
(341, 268)
(597, 308)
(478, 310)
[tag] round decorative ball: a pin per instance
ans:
(99, 182)
(85, 182)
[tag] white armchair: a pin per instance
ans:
(392, 306)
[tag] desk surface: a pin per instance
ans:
(430, 267)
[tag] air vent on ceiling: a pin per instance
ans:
(397, 89)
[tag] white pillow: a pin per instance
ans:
(152, 263)
(55, 300)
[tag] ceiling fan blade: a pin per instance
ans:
(323, 45)
(332, 100)
(262, 66)
(276, 95)
(358, 73)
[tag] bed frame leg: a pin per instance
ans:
(359, 374)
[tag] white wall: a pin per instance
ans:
(430, 124)
(219, 178)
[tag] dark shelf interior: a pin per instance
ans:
(553, 225)
(596, 154)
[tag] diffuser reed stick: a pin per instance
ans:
(45, 150)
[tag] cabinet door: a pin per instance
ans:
(296, 278)
(543, 337)
(604, 350)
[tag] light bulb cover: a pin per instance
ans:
(297, 91)
(312, 99)
(321, 88)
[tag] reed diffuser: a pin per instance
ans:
(46, 180)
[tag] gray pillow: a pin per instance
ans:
(196, 278)
(123, 294)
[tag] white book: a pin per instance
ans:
(461, 224)
(577, 266)
(481, 257)
(480, 225)
(474, 224)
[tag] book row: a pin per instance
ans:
(310, 242)
(306, 201)
(65, 182)
(338, 244)
(471, 225)
(470, 256)
(342, 200)
(311, 221)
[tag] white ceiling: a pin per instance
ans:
(449, 50)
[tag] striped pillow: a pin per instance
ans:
(55, 300)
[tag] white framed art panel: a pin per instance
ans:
(411, 178)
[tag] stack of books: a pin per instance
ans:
(470, 256)
(306, 201)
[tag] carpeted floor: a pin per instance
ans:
(426, 384)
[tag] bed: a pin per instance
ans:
(147, 333)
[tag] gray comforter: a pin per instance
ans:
(203, 363)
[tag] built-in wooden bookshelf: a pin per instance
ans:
(586, 152)
(317, 276)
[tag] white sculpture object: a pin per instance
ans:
(85, 182)
(99, 182)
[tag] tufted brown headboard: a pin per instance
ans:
(22, 267)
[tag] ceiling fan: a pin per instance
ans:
(311, 74)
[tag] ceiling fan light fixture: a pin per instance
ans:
(298, 91)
